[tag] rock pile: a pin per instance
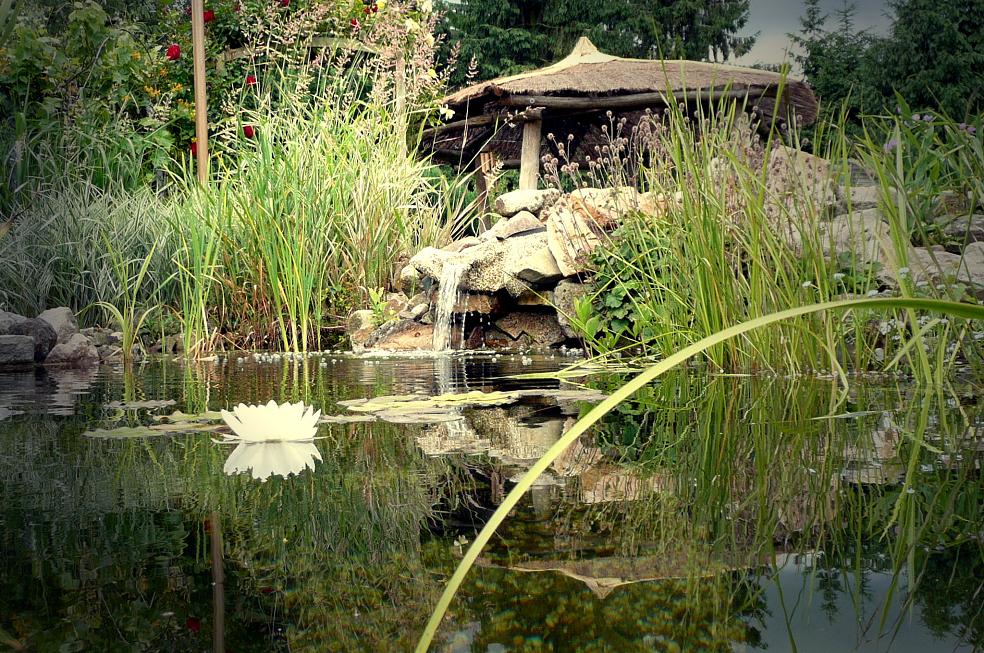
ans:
(522, 276)
(52, 338)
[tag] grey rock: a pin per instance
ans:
(538, 267)
(16, 350)
(41, 332)
(541, 328)
(533, 201)
(62, 320)
(409, 279)
(416, 312)
(522, 221)
(402, 335)
(565, 295)
(859, 198)
(77, 352)
(359, 327)
(8, 320)
(966, 228)
(462, 244)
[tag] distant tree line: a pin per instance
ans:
(502, 37)
(932, 57)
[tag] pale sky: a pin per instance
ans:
(773, 19)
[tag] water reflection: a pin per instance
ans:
(266, 459)
(710, 514)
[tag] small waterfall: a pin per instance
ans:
(447, 297)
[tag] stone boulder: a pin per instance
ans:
(605, 206)
(359, 327)
(62, 320)
(462, 244)
(533, 201)
(8, 320)
(16, 350)
(859, 198)
(78, 351)
(935, 265)
(965, 228)
(529, 259)
(519, 223)
(539, 328)
(41, 333)
(571, 236)
(402, 335)
(565, 295)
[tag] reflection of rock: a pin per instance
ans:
(603, 575)
(875, 460)
(266, 459)
(608, 483)
(70, 383)
(452, 438)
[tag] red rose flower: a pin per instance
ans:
(284, 3)
(366, 10)
(193, 624)
(375, 8)
(173, 52)
(249, 131)
(208, 15)
(194, 148)
(355, 23)
(250, 80)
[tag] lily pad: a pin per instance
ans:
(178, 417)
(136, 405)
(423, 417)
(406, 404)
(154, 430)
(346, 419)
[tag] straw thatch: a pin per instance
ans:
(589, 81)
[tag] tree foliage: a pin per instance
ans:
(933, 56)
(508, 36)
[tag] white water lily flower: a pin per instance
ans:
(273, 422)
(266, 459)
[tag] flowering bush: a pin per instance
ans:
(130, 87)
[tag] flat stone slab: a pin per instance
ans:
(16, 350)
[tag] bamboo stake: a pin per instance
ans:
(201, 99)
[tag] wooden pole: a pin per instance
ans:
(484, 182)
(529, 160)
(201, 99)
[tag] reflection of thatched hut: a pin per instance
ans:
(507, 119)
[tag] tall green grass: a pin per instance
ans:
(320, 203)
(743, 238)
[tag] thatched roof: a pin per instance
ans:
(573, 95)
(587, 72)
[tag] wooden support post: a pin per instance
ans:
(529, 160)
(484, 180)
(201, 99)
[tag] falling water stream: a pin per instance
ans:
(447, 297)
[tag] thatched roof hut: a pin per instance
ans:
(507, 118)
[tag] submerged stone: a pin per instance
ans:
(41, 333)
(16, 350)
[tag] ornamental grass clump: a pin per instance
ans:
(744, 234)
(323, 201)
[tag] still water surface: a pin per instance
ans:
(713, 513)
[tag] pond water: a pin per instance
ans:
(712, 513)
